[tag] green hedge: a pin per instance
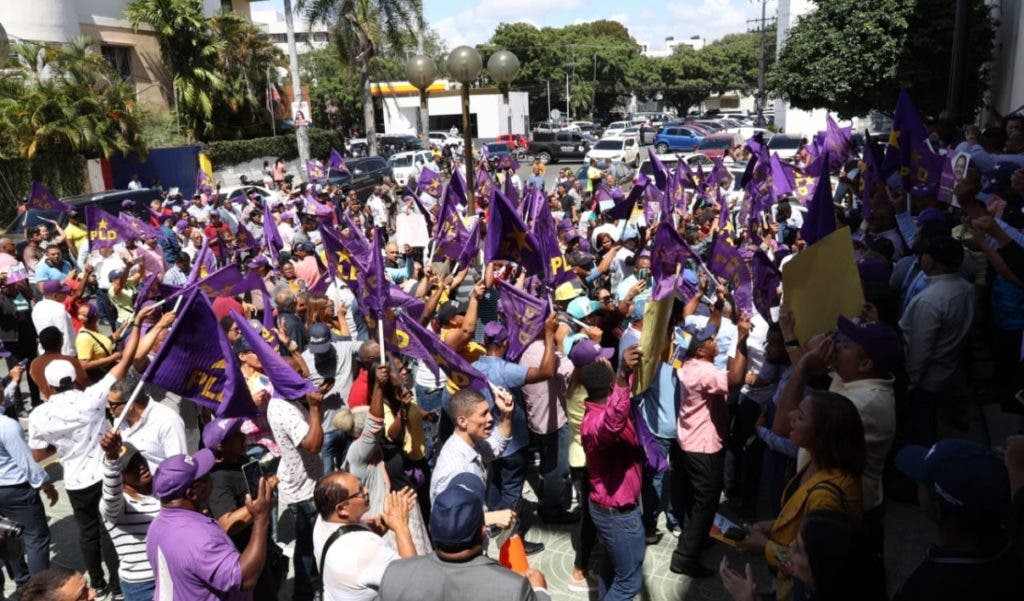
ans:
(64, 177)
(232, 152)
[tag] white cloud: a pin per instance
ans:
(476, 25)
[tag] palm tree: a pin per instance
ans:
(190, 53)
(360, 30)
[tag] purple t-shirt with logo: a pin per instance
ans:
(193, 558)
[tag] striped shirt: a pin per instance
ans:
(127, 520)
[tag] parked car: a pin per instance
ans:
(398, 143)
(244, 190)
(406, 166)
(514, 141)
(443, 138)
(111, 201)
(716, 145)
(626, 150)
(787, 145)
(615, 128)
(557, 146)
(495, 152)
(363, 174)
(676, 137)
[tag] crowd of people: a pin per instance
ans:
(402, 480)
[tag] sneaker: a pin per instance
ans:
(585, 585)
(693, 570)
(532, 547)
(117, 597)
(102, 592)
(677, 532)
(653, 538)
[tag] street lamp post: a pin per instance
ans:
(5, 46)
(464, 64)
(421, 71)
(503, 66)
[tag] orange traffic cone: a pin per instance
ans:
(513, 555)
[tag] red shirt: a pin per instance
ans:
(614, 457)
(359, 394)
(224, 305)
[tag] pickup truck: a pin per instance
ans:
(551, 147)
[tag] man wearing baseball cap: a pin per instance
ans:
(965, 489)
(458, 569)
(192, 557)
(331, 368)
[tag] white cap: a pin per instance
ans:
(57, 371)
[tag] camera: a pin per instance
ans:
(10, 527)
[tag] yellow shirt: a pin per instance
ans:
(575, 407)
(76, 234)
(91, 345)
(414, 445)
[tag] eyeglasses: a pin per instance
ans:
(361, 493)
(605, 299)
(115, 404)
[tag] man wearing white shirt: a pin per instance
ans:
(51, 312)
(154, 429)
(378, 211)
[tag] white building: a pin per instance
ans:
(671, 43)
(306, 38)
(135, 55)
(489, 116)
(791, 120)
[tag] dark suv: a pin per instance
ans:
(364, 173)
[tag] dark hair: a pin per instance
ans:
(597, 379)
(946, 251)
(43, 585)
(51, 339)
(837, 433)
(844, 564)
(226, 322)
(882, 246)
(32, 231)
(328, 493)
(463, 402)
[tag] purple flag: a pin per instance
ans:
(204, 371)
(373, 285)
(908, 150)
(781, 177)
(724, 216)
(344, 254)
(484, 185)
(287, 383)
(820, 219)
(449, 231)
(728, 263)
(336, 162)
(41, 199)
(660, 171)
(138, 227)
(767, 278)
(229, 281)
(402, 299)
(271, 236)
(669, 253)
(623, 207)
(436, 352)
(556, 270)
(511, 192)
(204, 265)
(430, 182)
(315, 207)
(532, 204)
(315, 171)
(871, 177)
(104, 229)
(412, 195)
(803, 184)
(507, 162)
(719, 173)
(523, 315)
(204, 183)
(508, 238)
(152, 289)
(470, 248)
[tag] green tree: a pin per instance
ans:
(190, 53)
(851, 56)
(361, 30)
(64, 101)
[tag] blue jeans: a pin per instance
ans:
(303, 561)
(553, 472)
(505, 489)
(430, 399)
(332, 453)
(622, 568)
(21, 503)
(256, 453)
(138, 591)
(656, 496)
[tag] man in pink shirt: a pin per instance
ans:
(615, 466)
(703, 423)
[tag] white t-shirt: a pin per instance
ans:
(74, 423)
(355, 562)
(299, 469)
(49, 312)
(104, 267)
(377, 210)
(159, 434)
(620, 270)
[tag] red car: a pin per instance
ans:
(514, 141)
(716, 145)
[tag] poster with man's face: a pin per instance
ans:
(961, 161)
(300, 114)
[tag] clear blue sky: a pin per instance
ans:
(650, 21)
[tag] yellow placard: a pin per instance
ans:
(206, 165)
(821, 283)
(654, 339)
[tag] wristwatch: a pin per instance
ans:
(794, 343)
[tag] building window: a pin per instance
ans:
(120, 58)
(225, 5)
(319, 36)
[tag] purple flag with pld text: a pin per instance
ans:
(41, 199)
(461, 373)
(524, 317)
(820, 219)
(287, 383)
(197, 363)
(508, 238)
(727, 262)
(104, 229)
(484, 185)
(345, 255)
(669, 252)
(138, 227)
(373, 286)
(556, 270)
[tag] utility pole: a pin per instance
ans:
(548, 84)
(567, 112)
(301, 131)
(571, 66)
(762, 94)
(958, 64)
(593, 90)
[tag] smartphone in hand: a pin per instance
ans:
(252, 472)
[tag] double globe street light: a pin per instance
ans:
(421, 71)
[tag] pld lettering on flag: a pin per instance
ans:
(41, 199)
(196, 367)
(315, 171)
(287, 383)
(524, 317)
(460, 373)
(556, 270)
(908, 149)
(342, 252)
(104, 229)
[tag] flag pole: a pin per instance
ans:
(380, 336)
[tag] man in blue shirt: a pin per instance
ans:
(508, 472)
(21, 479)
(54, 267)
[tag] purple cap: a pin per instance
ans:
(924, 191)
(873, 269)
(585, 351)
(932, 214)
(54, 286)
(495, 332)
(288, 215)
(218, 431)
(176, 473)
(258, 261)
(879, 341)
(180, 226)
(127, 204)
